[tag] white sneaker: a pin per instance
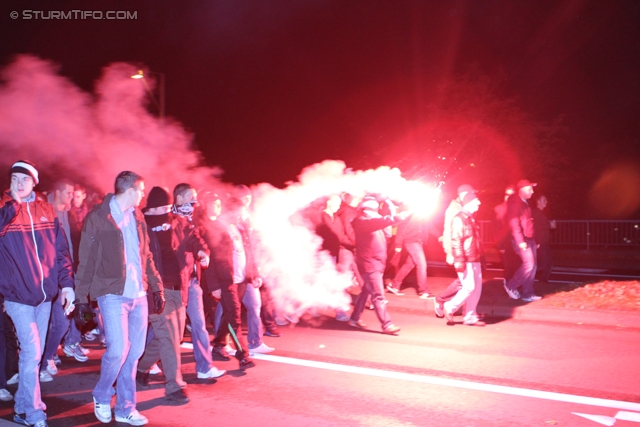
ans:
(230, 351)
(76, 352)
(394, 290)
(281, 321)
(102, 412)
(13, 380)
(135, 419)
(5, 396)
(51, 367)
(532, 298)
(291, 318)
(513, 293)
(262, 348)
(45, 377)
(213, 373)
(341, 316)
(155, 369)
(86, 351)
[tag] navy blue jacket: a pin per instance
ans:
(34, 253)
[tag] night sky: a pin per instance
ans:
(269, 87)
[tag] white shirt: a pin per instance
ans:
(239, 255)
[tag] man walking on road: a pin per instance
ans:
(34, 262)
(520, 221)
(466, 249)
(371, 257)
(116, 269)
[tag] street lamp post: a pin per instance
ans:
(161, 90)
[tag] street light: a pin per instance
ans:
(159, 105)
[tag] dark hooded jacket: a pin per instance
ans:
(34, 253)
(185, 243)
(371, 240)
(220, 271)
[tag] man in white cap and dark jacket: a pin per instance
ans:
(466, 248)
(34, 263)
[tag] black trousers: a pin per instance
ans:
(231, 300)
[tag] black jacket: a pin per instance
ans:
(371, 240)
(220, 271)
(520, 219)
(541, 227)
(330, 229)
(347, 214)
(186, 242)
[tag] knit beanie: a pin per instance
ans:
(158, 197)
(25, 167)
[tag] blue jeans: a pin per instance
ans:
(3, 348)
(373, 286)
(73, 336)
(252, 303)
(526, 274)
(125, 328)
(218, 319)
(415, 258)
(199, 333)
(60, 327)
(31, 327)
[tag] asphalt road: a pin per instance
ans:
(323, 373)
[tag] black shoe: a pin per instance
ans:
(246, 363)
(272, 333)
(220, 353)
(178, 397)
(142, 380)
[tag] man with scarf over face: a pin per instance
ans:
(170, 244)
(184, 201)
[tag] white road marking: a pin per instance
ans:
(515, 391)
(600, 419)
(609, 421)
(628, 416)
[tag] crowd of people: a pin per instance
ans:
(137, 278)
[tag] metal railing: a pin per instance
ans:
(587, 234)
